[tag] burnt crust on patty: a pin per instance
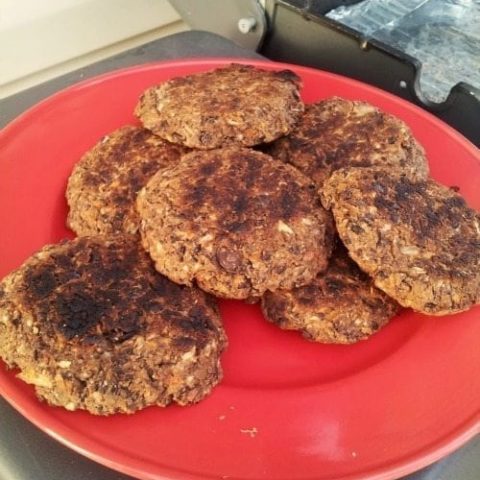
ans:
(418, 239)
(103, 186)
(337, 133)
(235, 222)
(93, 326)
(340, 306)
(234, 105)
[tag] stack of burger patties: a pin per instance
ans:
(232, 188)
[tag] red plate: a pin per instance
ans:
(287, 408)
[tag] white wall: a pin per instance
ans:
(41, 39)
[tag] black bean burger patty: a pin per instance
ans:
(336, 133)
(103, 186)
(233, 105)
(93, 326)
(418, 240)
(235, 222)
(340, 306)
